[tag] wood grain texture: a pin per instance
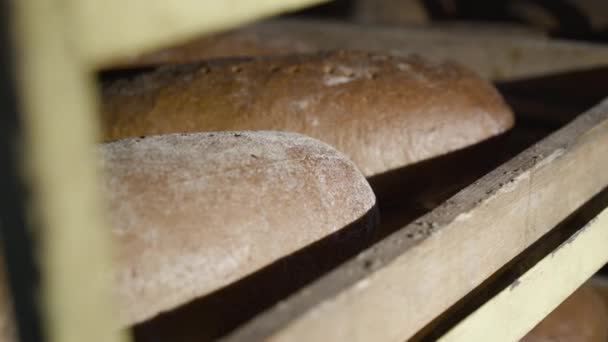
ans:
(514, 311)
(397, 286)
(514, 269)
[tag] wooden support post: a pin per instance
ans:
(57, 97)
(111, 29)
(59, 42)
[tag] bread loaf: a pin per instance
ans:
(582, 317)
(192, 213)
(384, 112)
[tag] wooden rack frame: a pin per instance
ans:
(381, 294)
(58, 44)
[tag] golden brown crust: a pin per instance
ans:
(194, 212)
(383, 111)
(582, 317)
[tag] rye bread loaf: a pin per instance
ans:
(582, 317)
(382, 111)
(191, 213)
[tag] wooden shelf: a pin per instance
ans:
(499, 57)
(390, 291)
(395, 288)
(522, 304)
(59, 43)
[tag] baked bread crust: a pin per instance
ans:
(384, 112)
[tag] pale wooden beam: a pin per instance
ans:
(493, 55)
(112, 29)
(58, 102)
(59, 43)
(396, 287)
(519, 307)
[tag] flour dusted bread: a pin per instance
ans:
(192, 213)
(582, 317)
(382, 111)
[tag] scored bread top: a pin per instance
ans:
(191, 213)
(382, 111)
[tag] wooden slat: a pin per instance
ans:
(518, 308)
(59, 42)
(396, 287)
(110, 29)
(496, 56)
(57, 98)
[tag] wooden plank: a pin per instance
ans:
(110, 29)
(530, 298)
(516, 268)
(396, 287)
(57, 97)
(496, 56)
(218, 314)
